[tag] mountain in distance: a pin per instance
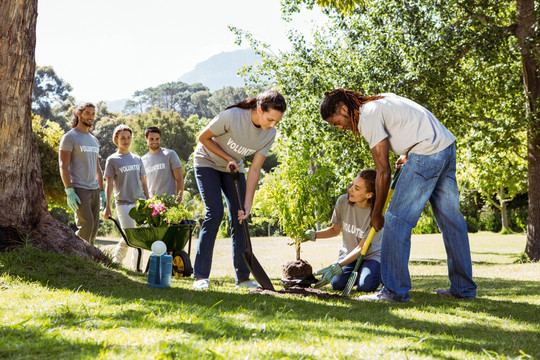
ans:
(215, 73)
(221, 70)
(116, 105)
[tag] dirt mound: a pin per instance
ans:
(299, 291)
(298, 269)
(298, 273)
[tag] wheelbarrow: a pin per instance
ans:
(174, 236)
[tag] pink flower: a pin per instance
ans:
(157, 208)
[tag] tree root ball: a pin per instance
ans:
(298, 269)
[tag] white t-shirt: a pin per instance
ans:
(235, 134)
(159, 175)
(409, 127)
(126, 170)
(354, 222)
(84, 149)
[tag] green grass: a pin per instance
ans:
(56, 306)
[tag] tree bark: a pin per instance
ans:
(528, 39)
(503, 207)
(23, 213)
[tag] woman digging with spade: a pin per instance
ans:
(242, 129)
(351, 217)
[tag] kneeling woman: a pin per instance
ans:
(351, 217)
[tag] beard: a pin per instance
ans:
(86, 122)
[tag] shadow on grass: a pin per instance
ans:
(40, 343)
(427, 261)
(215, 314)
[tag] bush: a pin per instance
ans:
(426, 224)
(472, 224)
(107, 228)
(518, 219)
(490, 219)
(64, 216)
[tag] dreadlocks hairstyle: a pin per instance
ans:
(353, 100)
(79, 108)
(267, 100)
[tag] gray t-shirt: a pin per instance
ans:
(235, 134)
(159, 175)
(126, 170)
(409, 127)
(354, 222)
(84, 150)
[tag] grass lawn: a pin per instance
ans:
(63, 307)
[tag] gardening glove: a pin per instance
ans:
(103, 200)
(309, 235)
(72, 199)
(327, 274)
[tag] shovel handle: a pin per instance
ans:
(247, 240)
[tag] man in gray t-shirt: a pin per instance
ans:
(81, 173)
(392, 123)
(163, 167)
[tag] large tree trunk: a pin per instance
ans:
(530, 52)
(23, 212)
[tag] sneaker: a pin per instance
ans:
(248, 284)
(201, 284)
(447, 293)
(379, 296)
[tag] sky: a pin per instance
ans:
(108, 49)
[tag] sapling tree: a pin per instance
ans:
(297, 193)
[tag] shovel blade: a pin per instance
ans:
(257, 270)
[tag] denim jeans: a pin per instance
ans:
(369, 276)
(212, 183)
(426, 178)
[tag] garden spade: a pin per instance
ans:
(253, 264)
(354, 274)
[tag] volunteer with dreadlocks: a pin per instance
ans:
(242, 129)
(393, 123)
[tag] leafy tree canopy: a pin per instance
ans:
(177, 96)
(51, 96)
(48, 137)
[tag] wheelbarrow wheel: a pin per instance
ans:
(181, 264)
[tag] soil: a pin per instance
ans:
(299, 291)
(298, 269)
(297, 280)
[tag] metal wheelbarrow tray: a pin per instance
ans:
(174, 236)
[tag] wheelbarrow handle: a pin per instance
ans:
(119, 227)
(139, 251)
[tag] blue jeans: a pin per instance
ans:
(369, 276)
(211, 184)
(426, 178)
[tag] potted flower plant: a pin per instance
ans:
(159, 218)
(162, 218)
